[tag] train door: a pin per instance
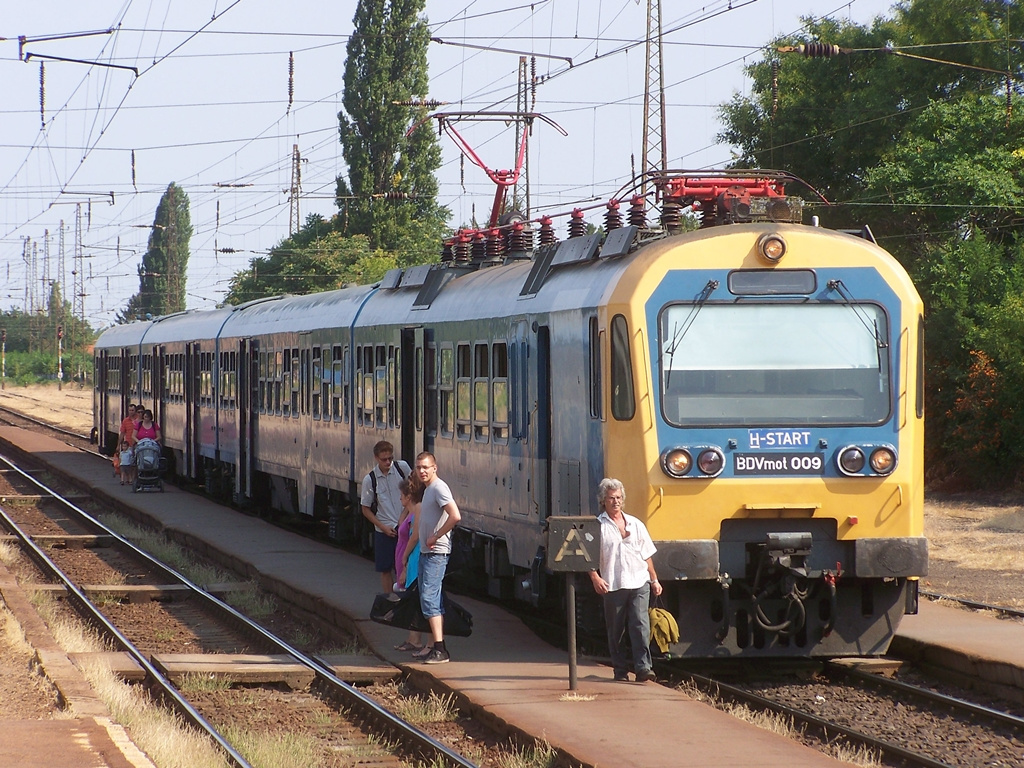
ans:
(305, 425)
(101, 403)
(248, 376)
(191, 458)
(542, 491)
(412, 394)
(430, 391)
(157, 384)
(125, 374)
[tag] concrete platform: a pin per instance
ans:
(503, 671)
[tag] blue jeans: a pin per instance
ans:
(626, 610)
(431, 576)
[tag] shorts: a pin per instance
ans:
(384, 551)
(431, 576)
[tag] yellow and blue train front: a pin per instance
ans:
(779, 429)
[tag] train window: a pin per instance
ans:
(278, 377)
(499, 391)
(418, 389)
(623, 401)
(463, 393)
(286, 382)
(595, 369)
(430, 385)
(772, 282)
(446, 390)
(346, 401)
(335, 371)
(318, 382)
(772, 363)
(394, 386)
(380, 387)
(481, 396)
(297, 379)
(147, 376)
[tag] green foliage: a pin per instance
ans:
(391, 189)
(162, 273)
(38, 332)
(25, 368)
(300, 265)
(925, 140)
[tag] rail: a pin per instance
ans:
(353, 698)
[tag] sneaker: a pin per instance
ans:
(643, 677)
(437, 656)
(622, 677)
(422, 653)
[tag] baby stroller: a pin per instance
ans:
(149, 466)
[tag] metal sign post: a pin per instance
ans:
(573, 546)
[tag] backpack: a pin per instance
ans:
(373, 484)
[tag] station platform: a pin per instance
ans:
(503, 672)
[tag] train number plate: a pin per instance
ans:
(778, 463)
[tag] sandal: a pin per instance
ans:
(407, 646)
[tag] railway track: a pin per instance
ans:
(911, 725)
(46, 523)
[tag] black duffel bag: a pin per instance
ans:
(402, 610)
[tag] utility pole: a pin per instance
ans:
(294, 218)
(521, 189)
(654, 153)
(78, 270)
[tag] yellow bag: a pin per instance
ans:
(664, 629)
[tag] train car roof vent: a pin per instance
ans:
(437, 278)
(541, 265)
(415, 277)
(576, 249)
(619, 241)
(391, 279)
(560, 254)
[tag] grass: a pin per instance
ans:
(539, 755)
(427, 709)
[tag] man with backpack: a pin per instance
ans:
(381, 502)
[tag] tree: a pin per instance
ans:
(830, 120)
(391, 189)
(162, 273)
(297, 267)
(939, 159)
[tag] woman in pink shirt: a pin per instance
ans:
(147, 428)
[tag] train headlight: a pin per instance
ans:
(883, 460)
(771, 247)
(676, 462)
(851, 460)
(710, 461)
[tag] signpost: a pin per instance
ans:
(574, 546)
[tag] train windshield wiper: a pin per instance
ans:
(681, 329)
(870, 324)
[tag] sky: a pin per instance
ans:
(106, 103)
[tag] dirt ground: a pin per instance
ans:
(976, 541)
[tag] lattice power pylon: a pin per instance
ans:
(78, 269)
(655, 151)
(294, 217)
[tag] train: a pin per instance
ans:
(755, 381)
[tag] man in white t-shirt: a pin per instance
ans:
(439, 514)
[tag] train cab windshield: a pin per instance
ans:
(774, 363)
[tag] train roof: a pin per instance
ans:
(124, 335)
(298, 314)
